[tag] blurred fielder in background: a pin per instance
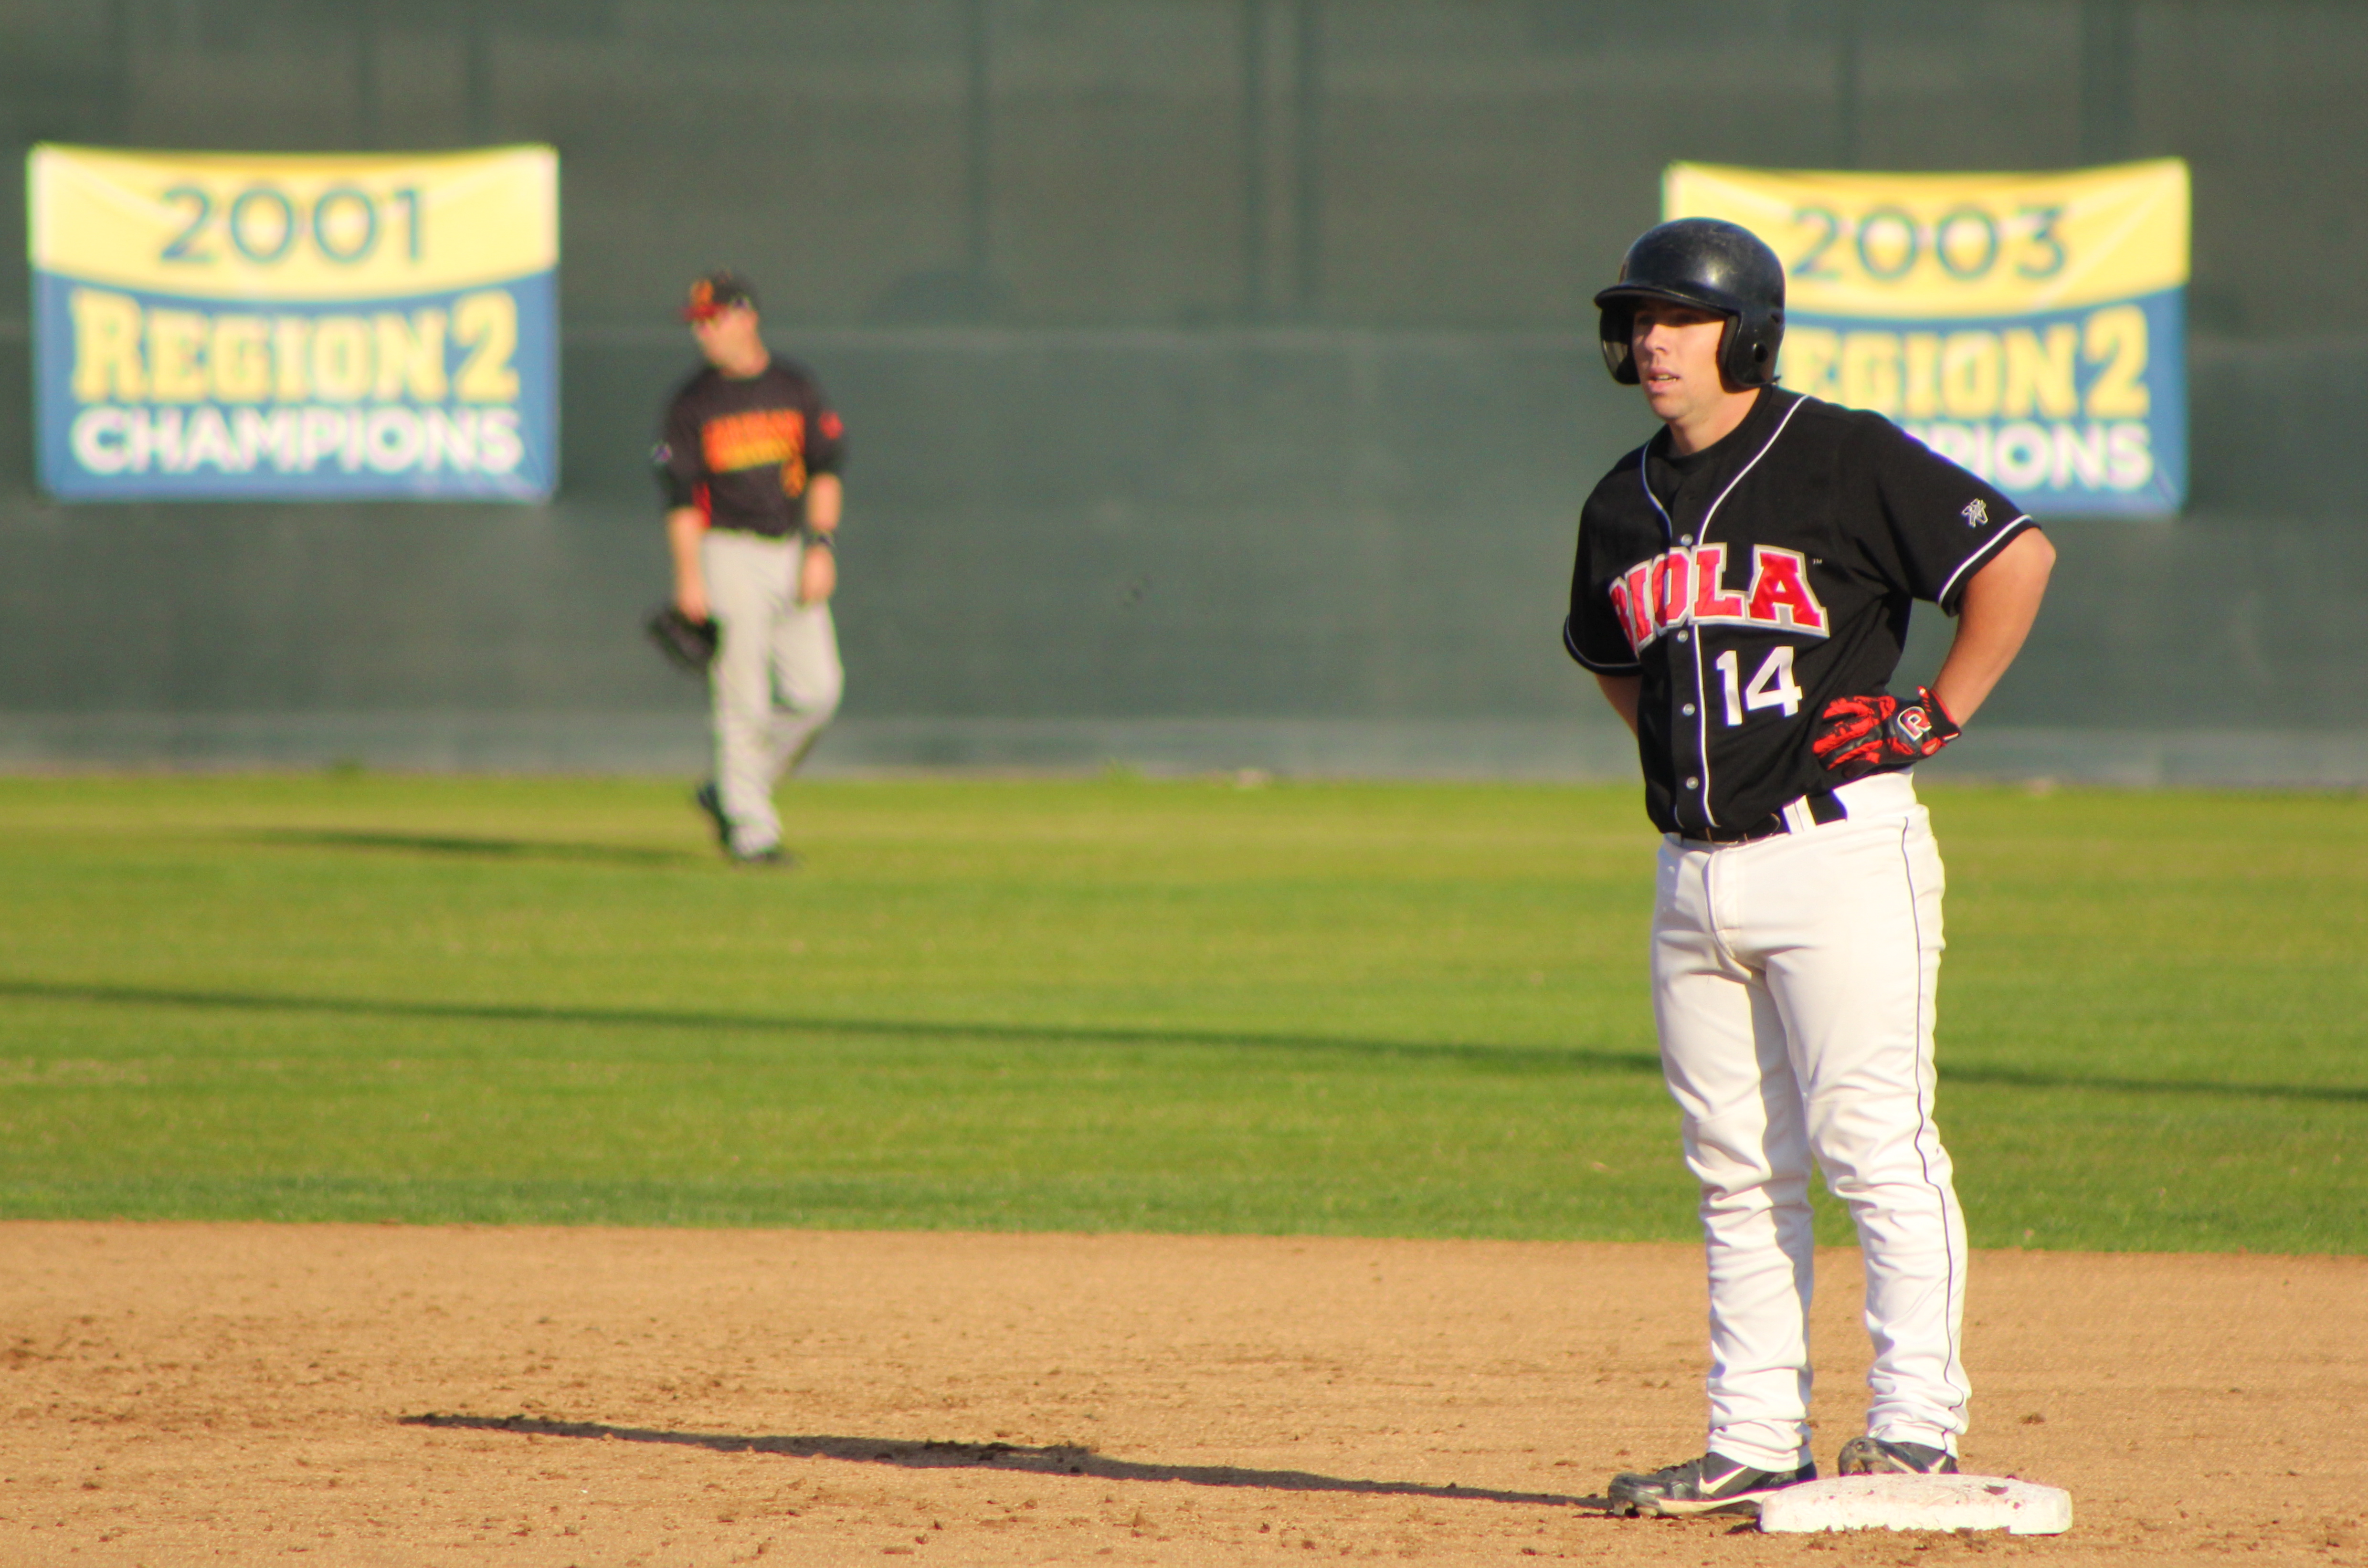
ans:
(749, 464)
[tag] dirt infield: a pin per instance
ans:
(181, 1394)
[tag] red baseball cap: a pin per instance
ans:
(717, 292)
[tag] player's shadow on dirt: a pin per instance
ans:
(1059, 1460)
(473, 849)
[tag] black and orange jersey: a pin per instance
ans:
(744, 450)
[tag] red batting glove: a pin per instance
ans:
(1862, 733)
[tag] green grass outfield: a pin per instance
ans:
(1372, 1009)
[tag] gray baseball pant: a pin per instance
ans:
(776, 679)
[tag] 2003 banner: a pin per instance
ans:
(2031, 327)
(224, 326)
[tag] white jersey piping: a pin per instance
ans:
(1670, 527)
(1967, 564)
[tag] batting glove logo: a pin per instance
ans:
(1858, 735)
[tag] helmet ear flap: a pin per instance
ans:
(1772, 338)
(1617, 330)
(1747, 352)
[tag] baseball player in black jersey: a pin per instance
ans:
(749, 465)
(1741, 594)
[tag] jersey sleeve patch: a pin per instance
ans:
(674, 482)
(676, 463)
(1953, 589)
(827, 449)
(1942, 520)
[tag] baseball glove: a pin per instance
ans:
(689, 645)
(1862, 733)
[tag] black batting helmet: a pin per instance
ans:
(1714, 266)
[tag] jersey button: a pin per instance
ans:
(1688, 710)
(1682, 637)
(1692, 782)
(1685, 539)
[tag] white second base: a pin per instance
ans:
(1919, 1502)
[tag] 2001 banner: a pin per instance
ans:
(2031, 327)
(224, 326)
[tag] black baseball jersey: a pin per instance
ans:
(1754, 581)
(743, 451)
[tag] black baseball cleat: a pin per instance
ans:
(1710, 1484)
(1872, 1456)
(710, 800)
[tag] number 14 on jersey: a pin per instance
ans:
(1771, 686)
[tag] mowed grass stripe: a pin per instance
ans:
(1508, 1058)
(1357, 1009)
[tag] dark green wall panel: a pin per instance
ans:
(1223, 360)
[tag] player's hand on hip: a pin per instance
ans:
(818, 575)
(1858, 735)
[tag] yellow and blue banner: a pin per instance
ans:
(219, 326)
(2030, 327)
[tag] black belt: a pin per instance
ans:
(1824, 805)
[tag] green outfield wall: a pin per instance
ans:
(1220, 374)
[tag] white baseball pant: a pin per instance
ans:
(1792, 982)
(776, 679)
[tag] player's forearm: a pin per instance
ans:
(1999, 604)
(685, 525)
(825, 496)
(1625, 693)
